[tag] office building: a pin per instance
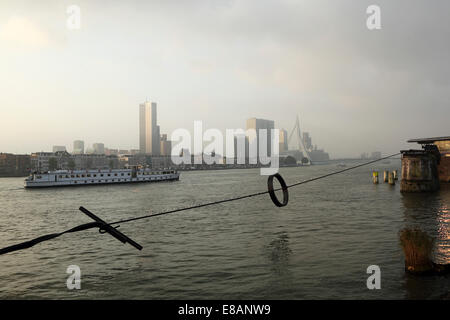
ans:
(149, 139)
(283, 140)
(78, 147)
(166, 146)
(257, 125)
(12, 165)
(99, 148)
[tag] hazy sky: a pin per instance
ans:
(222, 62)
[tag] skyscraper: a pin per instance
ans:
(99, 148)
(257, 125)
(283, 140)
(78, 147)
(149, 140)
(166, 146)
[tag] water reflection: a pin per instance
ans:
(443, 232)
(430, 212)
(280, 251)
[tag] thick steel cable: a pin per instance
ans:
(30, 243)
(250, 195)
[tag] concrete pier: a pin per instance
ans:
(419, 171)
(443, 145)
(444, 165)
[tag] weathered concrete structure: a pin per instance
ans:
(419, 171)
(443, 145)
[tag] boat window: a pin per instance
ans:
(101, 175)
(121, 174)
(115, 174)
(128, 173)
(88, 175)
(82, 175)
(109, 175)
(72, 176)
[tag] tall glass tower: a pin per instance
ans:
(149, 140)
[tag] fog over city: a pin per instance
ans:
(355, 90)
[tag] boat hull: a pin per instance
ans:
(51, 180)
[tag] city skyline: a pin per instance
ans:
(149, 131)
(357, 90)
(152, 142)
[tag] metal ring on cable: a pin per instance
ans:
(272, 192)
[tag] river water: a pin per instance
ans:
(317, 247)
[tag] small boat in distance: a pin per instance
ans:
(61, 178)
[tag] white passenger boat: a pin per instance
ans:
(60, 178)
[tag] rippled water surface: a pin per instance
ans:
(318, 247)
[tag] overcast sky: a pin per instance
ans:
(222, 62)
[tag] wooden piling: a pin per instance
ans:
(417, 246)
(375, 177)
(385, 175)
(395, 172)
(391, 179)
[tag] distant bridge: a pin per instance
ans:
(300, 143)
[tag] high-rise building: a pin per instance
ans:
(59, 148)
(283, 140)
(149, 139)
(78, 147)
(166, 146)
(257, 125)
(99, 148)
